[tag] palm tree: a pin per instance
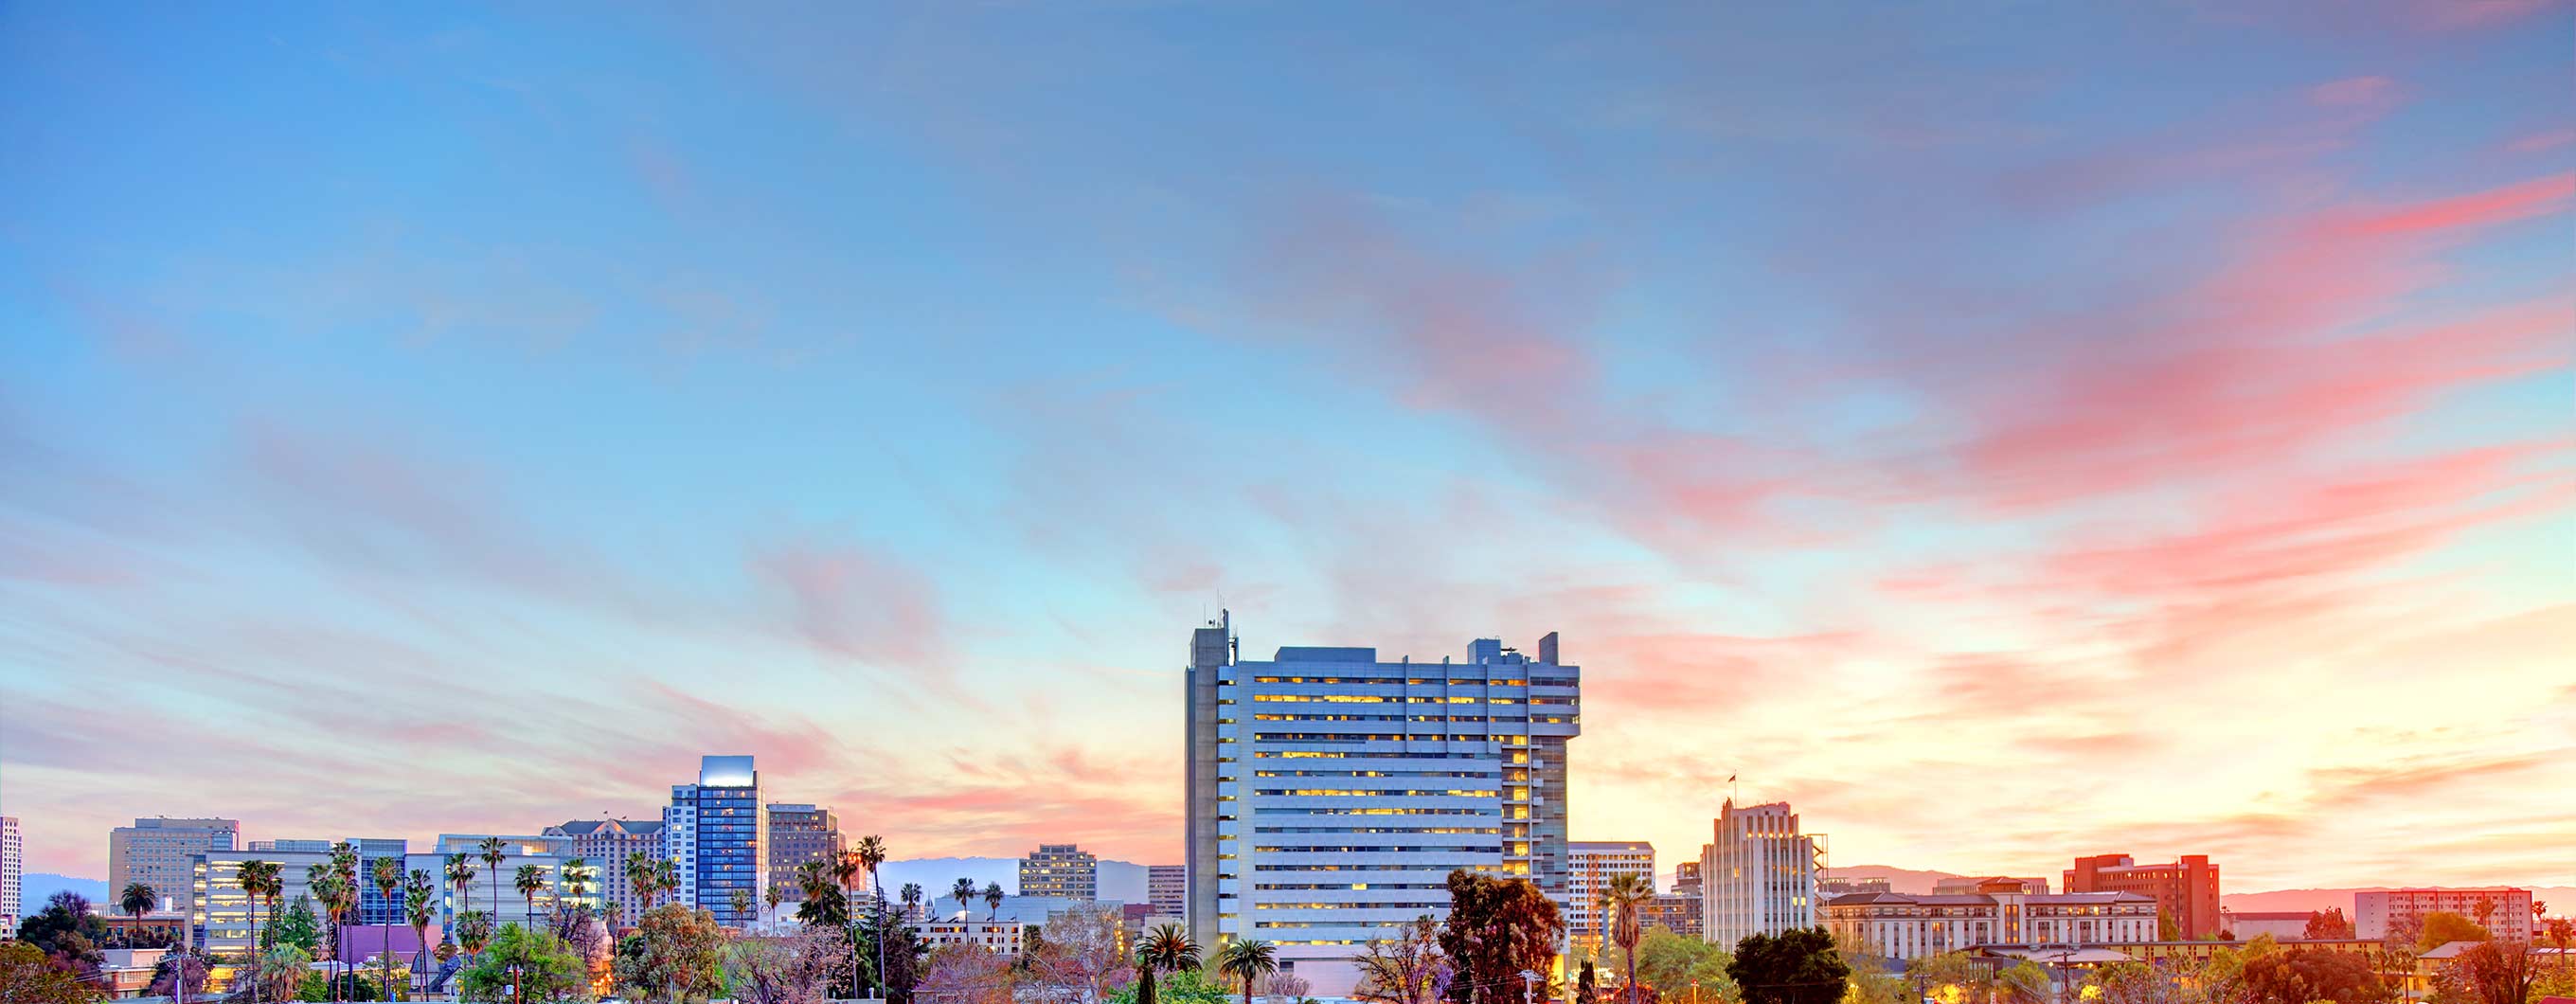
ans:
(492, 854)
(963, 892)
(815, 908)
(389, 881)
(529, 881)
(776, 893)
(1168, 949)
(740, 900)
(912, 893)
(1248, 960)
(576, 881)
(639, 876)
(666, 877)
(460, 873)
(254, 877)
(419, 894)
(136, 899)
(1627, 896)
(473, 931)
(992, 900)
(871, 853)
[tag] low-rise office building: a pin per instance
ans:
(1902, 926)
(2505, 911)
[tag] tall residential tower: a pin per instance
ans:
(1331, 794)
(719, 834)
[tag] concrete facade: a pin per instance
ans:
(161, 852)
(13, 874)
(2186, 888)
(1758, 874)
(604, 845)
(1167, 889)
(1589, 867)
(799, 834)
(1902, 926)
(2508, 910)
(1331, 794)
(1061, 871)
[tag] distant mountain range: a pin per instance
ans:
(35, 889)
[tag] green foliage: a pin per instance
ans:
(1798, 967)
(2167, 929)
(2026, 981)
(675, 955)
(2301, 975)
(1669, 962)
(1871, 983)
(1188, 986)
(1246, 962)
(545, 968)
(1497, 929)
(27, 976)
(2442, 927)
(300, 926)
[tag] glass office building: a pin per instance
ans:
(719, 834)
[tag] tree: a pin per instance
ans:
(900, 948)
(300, 927)
(675, 955)
(2167, 929)
(26, 975)
(576, 874)
(1626, 896)
(538, 965)
(279, 972)
(1951, 976)
(68, 933)
(823, 904)
(740, 900)
(963, 892)
(590, 939)
(2442, 927)
(460, 873)
(1798, 967)
(2026, 982)
(640, 877)
(2301, 975)
(776, 894)
(341, 900)
(1079, 958)
(774, 970)
(1168, 948)
(1406, 969)
(260, 885)
(992, 900)
(529, 880)
(971, 974)
(135, 900)
(870, 854)
(493, 852)
(666, 877)
(178, 973)
(1497, 930)
(420, 891)
(2326, 924)
(1666, 959)
(2496, 973)
(389, 882)
(473, 931)
(1587, 989)
(1248, 960)
(325, 887)
(2484, 909)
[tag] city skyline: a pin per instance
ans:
(2150, 430)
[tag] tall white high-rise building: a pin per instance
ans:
(1331, 794)
(1759, 875)
(1590, 865)
(13, 873)
(719, 833)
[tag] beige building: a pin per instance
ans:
(1758, 876)
(1589, 867)
(2506, 909)
(1901, 926)
(1061, 871)
(1167, 890)
(161, 852)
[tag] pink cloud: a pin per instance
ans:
(2363, 91)
(2523, 200)
(2539, 141)
(860, 604)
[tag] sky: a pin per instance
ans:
(2006, 431)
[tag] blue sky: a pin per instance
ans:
(1885, 402)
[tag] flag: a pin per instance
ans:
(1730, 779)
